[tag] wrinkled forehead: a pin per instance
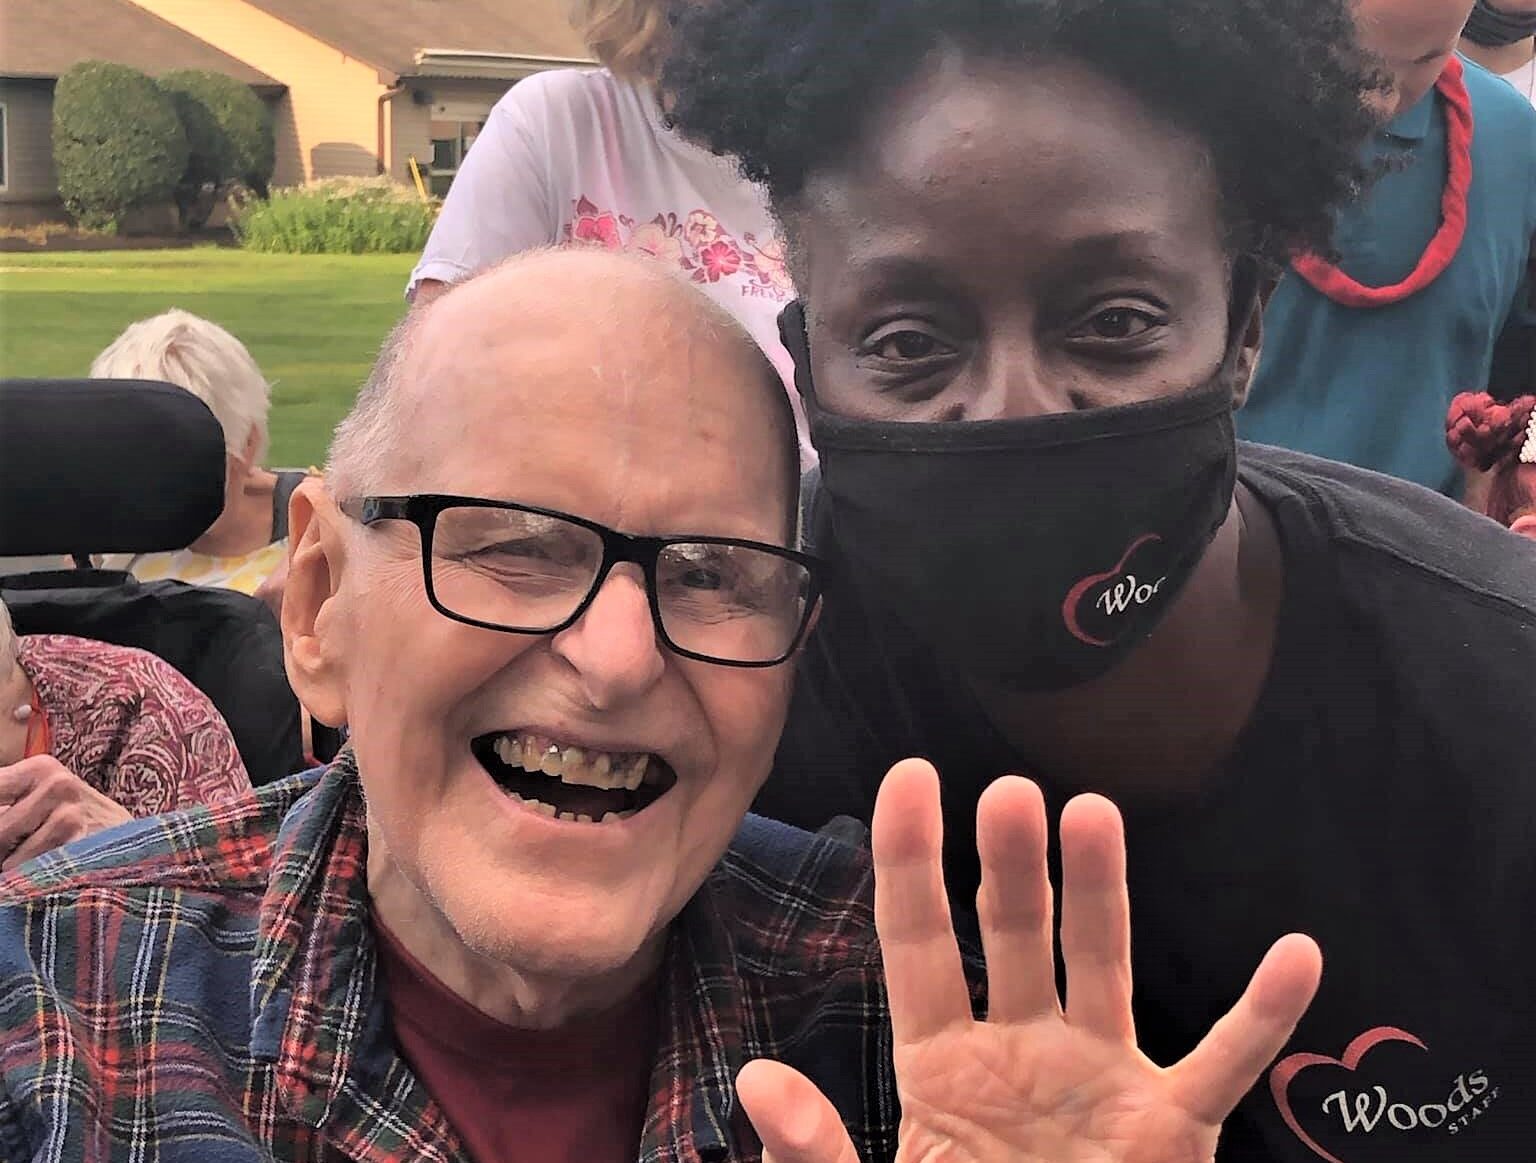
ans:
(644, 419)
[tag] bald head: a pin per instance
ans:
(559, 351)
(1413, 39)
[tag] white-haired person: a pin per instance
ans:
(92, 735)
(246, 548)
(589, 157)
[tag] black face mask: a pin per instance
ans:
(1029, 554)
(1491, 28)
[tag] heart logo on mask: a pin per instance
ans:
(1096, 608)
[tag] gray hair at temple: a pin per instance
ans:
(366, 440)
(363, 441)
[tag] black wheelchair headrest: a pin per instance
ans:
(106, 466)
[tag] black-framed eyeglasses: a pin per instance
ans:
(521, 569)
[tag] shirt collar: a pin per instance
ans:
(1412, 124)
(312, 977)
(318, 1020)
(701, 1047)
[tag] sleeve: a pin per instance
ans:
(499, 202)
(1513, 371)
(177, 750)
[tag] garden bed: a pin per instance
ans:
(56, 238)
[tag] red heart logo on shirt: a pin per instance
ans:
(1286, 1070)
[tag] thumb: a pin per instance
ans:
(794, 1120)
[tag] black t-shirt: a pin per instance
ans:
(1382, 798)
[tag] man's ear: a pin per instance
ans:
(1525, 526)
(313, 629)
(810, 627)
(1251, 342)
(252, 443)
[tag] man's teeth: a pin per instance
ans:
(577, 817)
(576, 765)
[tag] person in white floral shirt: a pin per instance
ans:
(587, 156)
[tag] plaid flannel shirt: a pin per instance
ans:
(200, 988)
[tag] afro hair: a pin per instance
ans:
(1277, 89)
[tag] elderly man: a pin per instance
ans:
(548, 583)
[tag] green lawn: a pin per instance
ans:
(313, 322)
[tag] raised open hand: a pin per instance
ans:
(1035, 1082)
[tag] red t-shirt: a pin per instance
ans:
(577, 1093)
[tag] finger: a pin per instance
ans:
(17, 779)
(923, 976)
(20, 820)
(1014, 903)
(1096, 919)
(793, 1119)
(1228, 1061)
(54, 832)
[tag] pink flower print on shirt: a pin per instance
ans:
(767, 261)
(702, 229)
(717, 260)
(594, 227)
(697, 244)
(654, 239)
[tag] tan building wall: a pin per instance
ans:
(432, 102)
(29, 176)
(328, 121)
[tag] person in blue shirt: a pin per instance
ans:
(1363, 356)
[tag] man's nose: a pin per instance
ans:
(613, 645)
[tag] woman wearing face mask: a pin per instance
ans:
(1502, 38)
(1031, 239)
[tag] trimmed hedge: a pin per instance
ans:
(247, 148)
(338, 216)
(210, 156)
(117, 142)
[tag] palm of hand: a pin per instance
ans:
(1040, 1092)
(1036, 1082)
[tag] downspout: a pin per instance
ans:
(385, 98)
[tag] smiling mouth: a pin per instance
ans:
(572, 783)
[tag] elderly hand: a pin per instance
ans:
(270, 590)
(43, 805)
(1033, 1083)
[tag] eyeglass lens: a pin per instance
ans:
(531, 571)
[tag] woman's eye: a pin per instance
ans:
(905, 345)
(1116, 323)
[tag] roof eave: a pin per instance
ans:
(466, 64)
(260, 88)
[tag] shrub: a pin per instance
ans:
(229, 132)
(338, 216)
(246, 150)
(117, 142)
(210, 153)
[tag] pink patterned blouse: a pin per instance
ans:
(131, 726)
